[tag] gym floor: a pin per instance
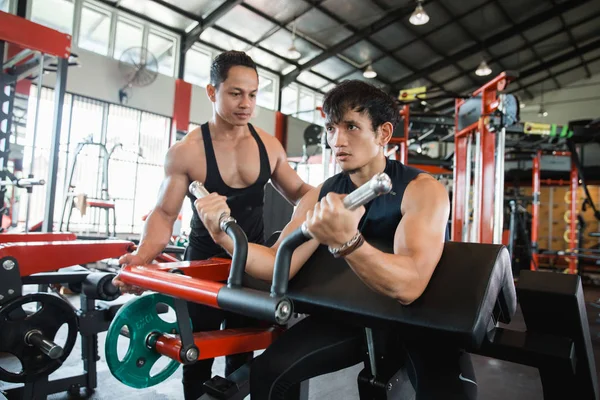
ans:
(497, 379)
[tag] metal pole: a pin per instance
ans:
(467, 189)
(573, 219)
(477, 189)
(511, 238)
(59, 98)
(499, 195)
(324, 157)
(535, 207)
(35, 129)
(550, 217)
(404, 144)
(23, 54)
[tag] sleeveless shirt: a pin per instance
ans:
(246, 204)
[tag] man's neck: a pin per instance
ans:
(364, 174)
(221, 129)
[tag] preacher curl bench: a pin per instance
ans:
(470, 294)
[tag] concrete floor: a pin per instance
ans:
(497, 380)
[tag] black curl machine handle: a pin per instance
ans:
(234, 297)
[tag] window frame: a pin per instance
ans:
(164, 34)
(74, 22)
(79, 5)
(275, 79)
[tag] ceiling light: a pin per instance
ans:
(419, 16)
(369, 72)
(483, 69)
(542, 112)
(522, 105)
(293, 53)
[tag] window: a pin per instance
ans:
(267, 91)
(197, 67)
(55, 14)
(289, 100)
(129, 34)
(154, 139)
(133, 178)
(306, 106)
(5, 5)
(94, 30)
(164, 49)
(123, 128)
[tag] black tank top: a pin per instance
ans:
(246, 204)
(382, 215)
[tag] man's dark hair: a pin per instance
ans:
(223, 62)
(361, 97)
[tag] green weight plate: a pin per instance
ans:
(141, 319)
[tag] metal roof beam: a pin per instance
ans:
(470, 35)
(346, 43)
(529, 23)
(210, 20)
(527, 42)
(421, 36)
(573, 42)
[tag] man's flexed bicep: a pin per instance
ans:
(422, 231)
(174, 186)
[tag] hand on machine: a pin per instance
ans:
(151, 337)
(129, 259)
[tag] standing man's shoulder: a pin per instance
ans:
(185, 152)
(283, 177)
(272, 144)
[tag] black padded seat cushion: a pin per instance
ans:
(472, 283)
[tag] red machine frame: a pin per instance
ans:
(27, 34)
(489, 103)
(536, 183)
(42, 252)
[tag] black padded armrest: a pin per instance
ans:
(470, 283)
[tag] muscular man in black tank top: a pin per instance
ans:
(360, 120)
(234, 160)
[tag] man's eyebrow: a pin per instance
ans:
(346, 121)
(242, 90)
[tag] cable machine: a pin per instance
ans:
(30, 48)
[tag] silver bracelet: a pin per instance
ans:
(346, 245)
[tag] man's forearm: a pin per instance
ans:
(305, 188)
(260, 261)
(155, 235)
(389, 274)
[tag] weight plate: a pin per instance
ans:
(16, 322)
(140, 317)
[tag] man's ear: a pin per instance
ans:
(386, 130)
(211, 92)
